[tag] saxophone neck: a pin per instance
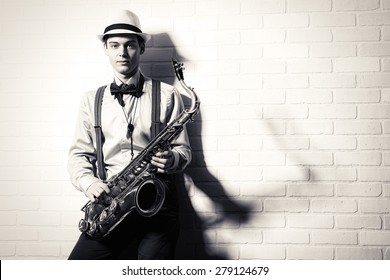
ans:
(195, 102)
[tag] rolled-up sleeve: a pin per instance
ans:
(82, 153)
(181, 145)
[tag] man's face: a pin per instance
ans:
(124, 53)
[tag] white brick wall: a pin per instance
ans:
(292, 147)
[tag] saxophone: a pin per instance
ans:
(136, 187)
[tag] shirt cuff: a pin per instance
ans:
(86, 181)
(176, 160)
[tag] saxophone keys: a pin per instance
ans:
(103, 216)
(83, 225)
(131, 177)
(114, 207)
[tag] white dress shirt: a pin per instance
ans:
(117, 146)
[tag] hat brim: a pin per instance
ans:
(146, 37)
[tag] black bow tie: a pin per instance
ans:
(119, 91)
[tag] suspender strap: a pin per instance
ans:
(98, 131)
(156, 86)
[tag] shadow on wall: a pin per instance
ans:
(192, 244)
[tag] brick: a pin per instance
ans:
(309, 189)
(335, 237)
(358, 158)
(332, 111)
(333, 142)
(266, 221)
(285, 51)
(386, 127)
(386, 222)
(240, 22)
(8, 219)
(333, 50)
(251, 81)
(262, 158)
(374, 49)
(286, 112)
(356, 65)
(309, 158)
(309, 66)
(263, 189)
(356, 5)
(240, 173)
(56, 233)
(309, 253)
(286, 143)
(375, 206)
(18, 234)
(219, 128)
(7, 250)
(271, 96)
(38, 250)
(382, 18)
(374, 143)
(358, 254)
(286, 20)
(332, 20)
(22, 203)
(308, 96)
(333, 206)
(235, 143)
(332, 81)
(345, 127)
(374, 80)
(357, 35)
(357, 222)
(309, 36)
(377, 238)
(356, 96)
(262, 252)
(286, 205)
(358, 189)
(371, 174)
(285, 174)
(333, 174)
(263, 6)
(286, 81)
(239, 237)
(269, 127)
(262, 36)
(310, 127)
(309, 221)
(374, 111)
(309, 5)
(263, 66)
(286, 236)
(39, 219)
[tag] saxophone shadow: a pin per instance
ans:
(198, 237)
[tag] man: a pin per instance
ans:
(126, 127)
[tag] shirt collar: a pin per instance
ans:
(132, 80)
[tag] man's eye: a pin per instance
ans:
(114, 46)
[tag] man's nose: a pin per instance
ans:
(123, 51)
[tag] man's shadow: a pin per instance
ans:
(192, 243)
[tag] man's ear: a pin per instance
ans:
(142, 48)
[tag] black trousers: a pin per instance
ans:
(135, 238)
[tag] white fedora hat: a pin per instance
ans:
(125, 22)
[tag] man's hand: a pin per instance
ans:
(95, 190)
(163, 161)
